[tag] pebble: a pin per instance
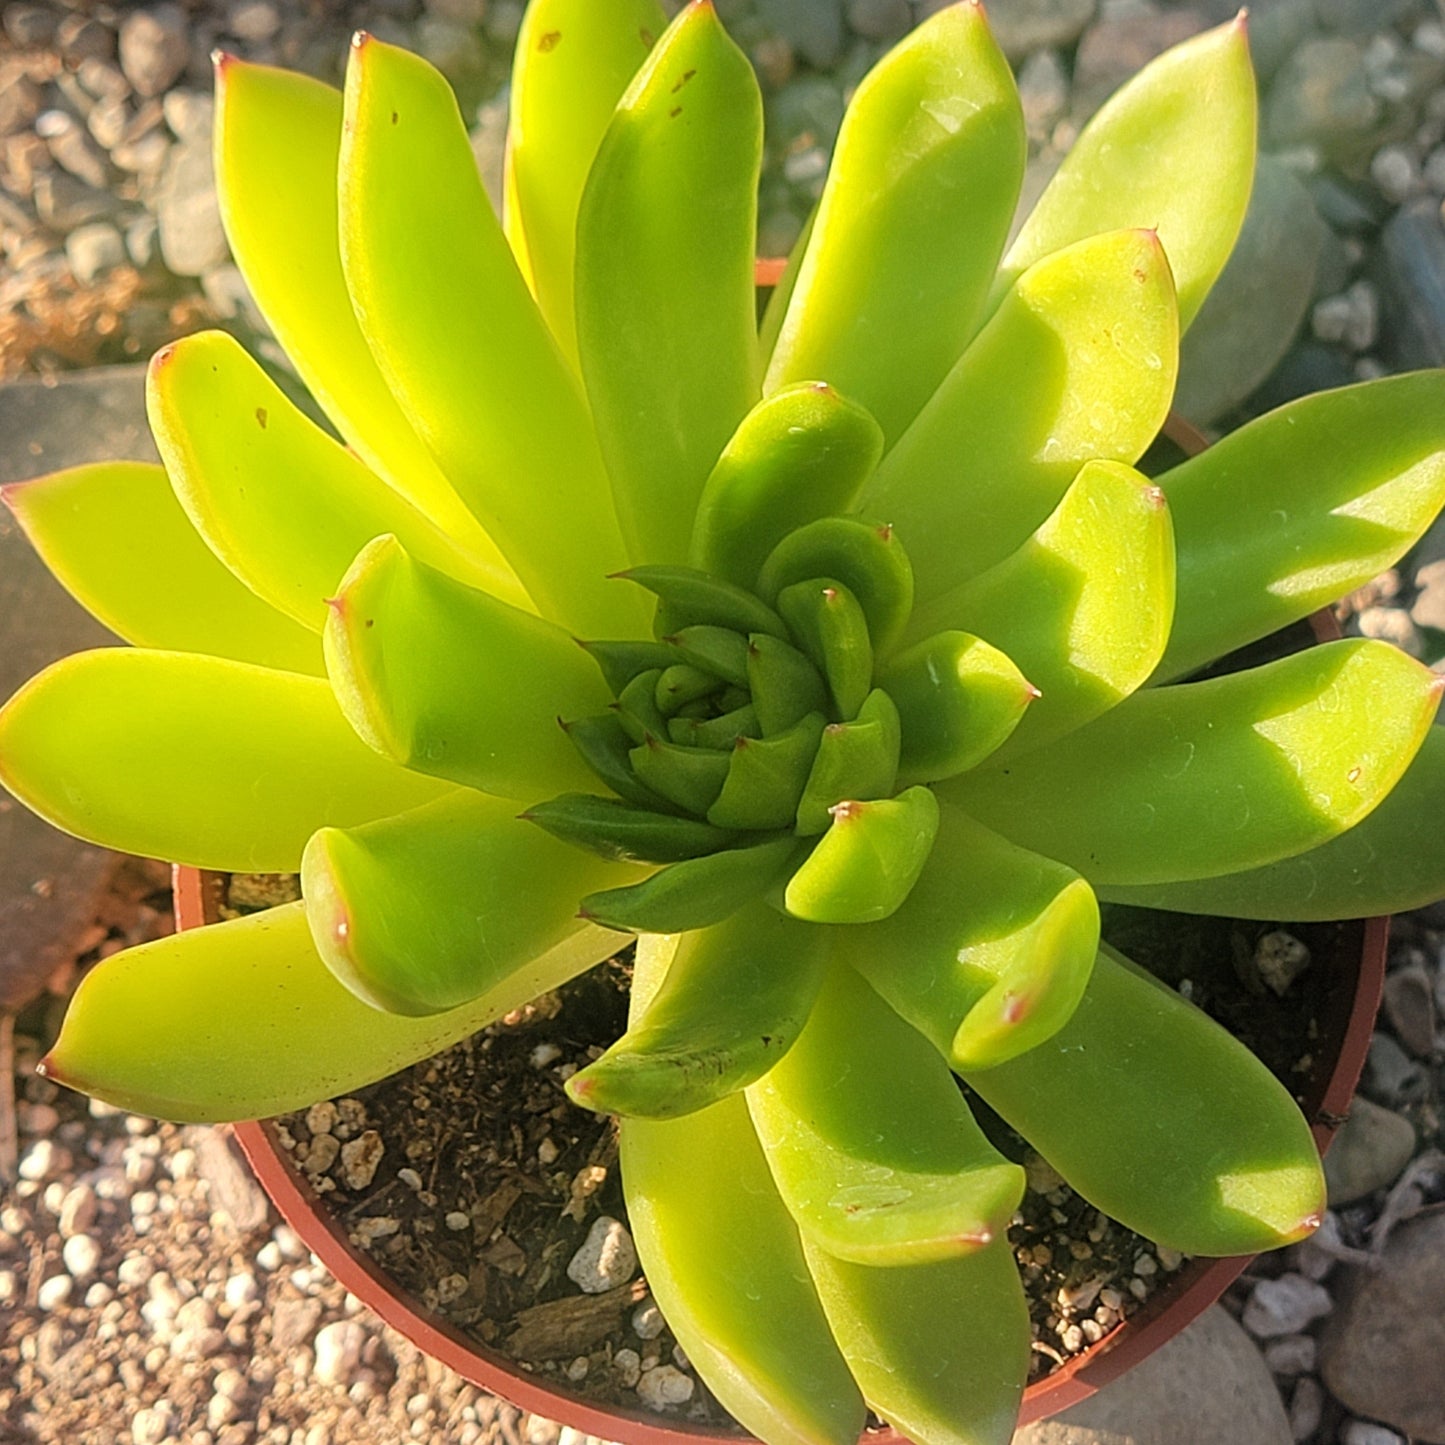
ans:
(1380, 1354)
(1428, 608)
(154, 48)
(93, 250)
(1369, 1153)
(338, 1351)
(647, 1321)
(188, 213)
(77, 1210)
(360, 1158)
(1321, 94)
(254, 20)
(663, 1386)
(1352, 317)
(1390, 624)
(54, 1292)
(29, 26)
(82, 1256)
(1292, 1355)
(1391, 1076)
(1362, 1432)
(628, 1364)
(1280, 958)
(135, 1270)
(1306, 1407)
(190, 115)
(1396, 171)
(1284, 1306)
(458, 1219)
(606, 1258)
(1410, 1007)
(1043, 91)
(879, 19)
(153, 1424)
(814, 28)
(43, 1160)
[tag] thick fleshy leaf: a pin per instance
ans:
(829, 624)
(990, 954)
(911, 224)
(864, 557)
(785, 686)
(1391, 862)
(723, 1259)
(665, 299)
(1235, 1172)
(1300, 507)
(452, 682)
(766, 777)
(626, 833)
(804, 452)
(116, 537)
(690, 598)
(284, 506)
(1099, 578)
(855, 761)
(197, 759)
(457, 335)
(277, 142)
(1205, 778)
(242, 1021)
(1172, 150)
(879, 1162)
(695, 893)
(958, 699)
(939, 1350)
(604, 742)
(1077, 364)
(867, 862)
(573, 61)
(426, 911)
(733, 1003)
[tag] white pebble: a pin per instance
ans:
(81, 1255)
(1306, 1406)
(547, 1151)
(458, 1219)
(1284, 1306)
(268, 1257)
(606, 1259)
(1364, 1432)
(647, 1321)
(1396, 172)
(98, 1295)
(9, 1286)
(241, 1289)
(77, 1210)
(360, 1158)
(135, 1270)
(545, 1054)
(663, 1386)
(321, 1118)
(54, 1292)
(42, 1160)
(1292, 1355)
(628, 1364)
(577, 1370)
(338, 1351)
(38, 1119)
(182, 1164)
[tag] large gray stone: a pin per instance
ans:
(49, 883)
(1322, 96)
(1024, 26)
(188, 212)
(1254, 311)
(1383, 1349)
(1206, 1386)
(1370, 1152)
(1409, 271)
(814, 28)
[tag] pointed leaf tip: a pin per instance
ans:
(360, 39)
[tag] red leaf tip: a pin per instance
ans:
(847, 811)
(360, 39)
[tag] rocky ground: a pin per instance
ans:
(147, 1294)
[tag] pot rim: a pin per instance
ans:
(1196, 1286)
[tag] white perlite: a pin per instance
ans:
(664, 1386)
(606, 1259)
(338, 1351)
(1284, 1306)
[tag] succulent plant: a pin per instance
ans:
(882, 685)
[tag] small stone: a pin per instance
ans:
(77, 1210)
(1391, 624)
(1364, 1432)
(188, 213)
(81, 1255)
(321, 1154)
(547, 1151)
(1391, 1076)
(1407, 265)
(1292, 1355)
(43, 1160)
(135, 1270)
(1043, 92)
(1396, 171)
(458, 1219)
(154, 48)
(647, 1321)
(1370, 1152)
(54, 1292)
(338, 1351)
(879, 19)
(1321, 95)
(369, 1231)
(360, 1158)
(1428, 608)
(1410, 1007)
(577, 1370)
(664, 1386)
(544, 1054)
(628, 1364)
(191, 115)
(1352, 317)
(29, 27)
(240, 1290)
(606, 1259)
(1306, 1407)
(93, 250)
(1284, 1306)
(1113, 49)
(1280, 958)
(814, 28)
(321, 1118)
(82, 38)
(253, 20)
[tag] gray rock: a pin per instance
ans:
(1284, 1306)
(806, 111)
(1254, 311)
(1321, 96)
(29, 27)
(189, 216)
(504, 21)
(1369, 1152)
(254, 20)
(814, 28)
(82, 37)
(1206, 1386)
(1306, 1407)
(140, 241)
(1292, 1355)
(1043, 92)
(1024, 26)
(459, 12)
(233, 1189)
(1381, 1353)
(1119, 46)
(93, 250)
(1365, 1432)
(455, 50)
(1409, 270)
(77, 153)
(154, 47)
(1276, 30)
(1395, 169)
(1410, 1008)
(1391, 1076)
(1428, 608)
(879, 19)
(607, 1257)
(1365, 17)
(190, 114)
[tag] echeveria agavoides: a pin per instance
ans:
(883, 677)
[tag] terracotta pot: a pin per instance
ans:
(1353, 997)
